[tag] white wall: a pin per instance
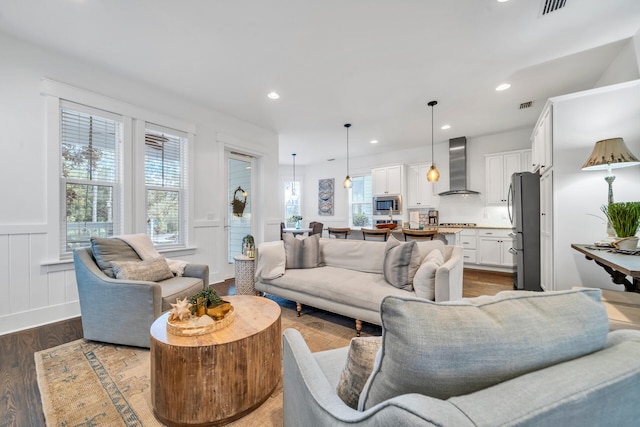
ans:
(34, 287)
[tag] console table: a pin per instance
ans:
(618, 265)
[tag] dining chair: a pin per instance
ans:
(339, 232)
(281, 230)
(419, 234)
(316, 228)
(375, 233)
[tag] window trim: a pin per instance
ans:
(131, 216)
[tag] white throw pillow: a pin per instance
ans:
(270, 260)
(424, 282)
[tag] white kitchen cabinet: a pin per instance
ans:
(468, 241)
(493, 247)
(542, 142)
(387, 180)
(498, 169)
(419, 190)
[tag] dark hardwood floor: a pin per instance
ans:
(20, 398)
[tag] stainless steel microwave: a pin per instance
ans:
(382, 204)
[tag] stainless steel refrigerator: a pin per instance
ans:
(523, 203)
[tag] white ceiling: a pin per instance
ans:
(373, 63)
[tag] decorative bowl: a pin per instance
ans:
(389, 225)
(218, 311)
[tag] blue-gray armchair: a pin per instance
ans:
(121, 311)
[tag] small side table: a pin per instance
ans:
(245, 270)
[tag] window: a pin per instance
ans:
(165, 181)
(89, 173)
(291, 200)
(361, 201)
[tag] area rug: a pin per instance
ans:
(95, 384)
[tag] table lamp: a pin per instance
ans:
(610, 154)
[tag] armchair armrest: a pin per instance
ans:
(201, 271)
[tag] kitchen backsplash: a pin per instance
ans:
(468, 209)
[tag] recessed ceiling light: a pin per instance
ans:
(503, 86)
(502, 1)
(273, 95)
(373, 141)
(445, 127)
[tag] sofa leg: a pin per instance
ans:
(299, 308)
(358, 327)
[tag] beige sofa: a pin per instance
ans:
(350, 280)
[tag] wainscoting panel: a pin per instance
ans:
(30, 293)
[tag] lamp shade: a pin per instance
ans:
(612, 153)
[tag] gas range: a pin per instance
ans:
(458, 224)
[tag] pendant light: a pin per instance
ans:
(433, 175)
(293, 183)
(347, 181)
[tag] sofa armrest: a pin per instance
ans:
(448, 286)
(201, 271)
(309, 398)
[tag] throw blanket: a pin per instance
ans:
(142, 244)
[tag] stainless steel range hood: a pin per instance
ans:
(458, 167)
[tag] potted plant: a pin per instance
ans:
(625, 220)
(207, 301)
(248, 245)
(295, 219)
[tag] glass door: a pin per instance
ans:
(240, 195)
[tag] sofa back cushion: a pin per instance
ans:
(105, 250)
(302, 252)
(360, 255)
(456, 348)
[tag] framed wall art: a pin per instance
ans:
(325, 196)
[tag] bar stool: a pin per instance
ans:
(338, 232)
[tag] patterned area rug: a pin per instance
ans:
(94, 384)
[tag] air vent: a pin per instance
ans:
(552, 5)
(526, 105)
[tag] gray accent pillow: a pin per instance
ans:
(301, 252)
(401, 262)
(150, 270)
(424, 282)
(452, 349)
(105, 250)
(360, 361)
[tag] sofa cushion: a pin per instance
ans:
(151, 270)
(424, 282)
(360, 360)
(105, 250)
(456, 348)
(401, 261)
(340, 253)
(301, 252)
(178, 287)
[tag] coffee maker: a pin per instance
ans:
(433, 218)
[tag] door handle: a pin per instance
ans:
(513, 251)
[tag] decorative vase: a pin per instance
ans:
(298, 225)
(218, 311)
(629, 243)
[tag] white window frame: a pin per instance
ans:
(133, 211)
(352, 203)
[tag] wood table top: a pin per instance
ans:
(627, 264)
(252, 315)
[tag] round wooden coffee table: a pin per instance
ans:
(215, 378)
